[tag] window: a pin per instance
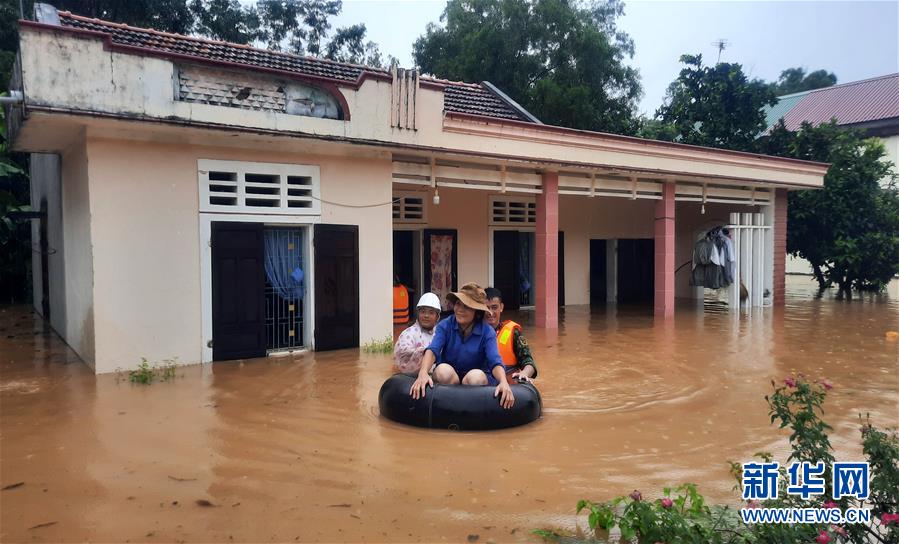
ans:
(253, 187)
(410, 207)
(510, 210)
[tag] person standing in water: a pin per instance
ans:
(464, 349)
(513, 348)
(411, 345)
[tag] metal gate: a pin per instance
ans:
(284, 310)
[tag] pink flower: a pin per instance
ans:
(823, 537)
(753, 504)
(667, 503)
(888, 518)
(827, 385)
(831, 504)
(790, 382)
(636, 496)
(838, 530)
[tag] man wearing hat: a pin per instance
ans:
(411, 344)
(464, 349)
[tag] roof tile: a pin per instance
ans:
(458, 97)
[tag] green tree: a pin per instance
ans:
(226, 20)
(715, 106)
(563, 60)
(15, 235)
(849, 231)
(795, 80)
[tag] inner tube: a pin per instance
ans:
(457, 407)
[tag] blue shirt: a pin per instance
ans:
(479, 350)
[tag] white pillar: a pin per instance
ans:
(734, 298)
(758, 258)
(746, 256)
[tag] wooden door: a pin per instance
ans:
(598, 289)
(635, 271)
(506, 266)
(238, 291)
(336, 286)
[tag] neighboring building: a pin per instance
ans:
(208, 201)
(870, 105)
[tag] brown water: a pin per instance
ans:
(293, 448)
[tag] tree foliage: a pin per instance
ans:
(563, 60)
(795, 80)
(849, 231)
(715, 106)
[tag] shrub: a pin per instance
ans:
(682, 515)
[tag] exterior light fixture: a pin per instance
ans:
(436, 196)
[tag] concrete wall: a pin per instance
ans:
(147, 243)
(583, 219)
(66, 71)
(79, 252)
(466, 211)
(46, 185)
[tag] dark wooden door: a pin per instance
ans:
(437, 264)
(635, 271)
(598, 289)
(336, 286)
(238, 291)
(506, 266)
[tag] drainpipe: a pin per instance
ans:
(15, 98)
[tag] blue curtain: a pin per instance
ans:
(284, 265)
(524, 274)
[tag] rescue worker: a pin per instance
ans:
(513, 348)
(400, 302)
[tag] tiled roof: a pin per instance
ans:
(478, 101)
(473, 99)
(850, 103)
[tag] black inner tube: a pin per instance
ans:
(457, 407)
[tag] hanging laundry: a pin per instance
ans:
(713, 260)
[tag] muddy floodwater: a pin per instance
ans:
(293, 449)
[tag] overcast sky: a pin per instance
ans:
(855, 40)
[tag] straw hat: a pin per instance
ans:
(471, 295)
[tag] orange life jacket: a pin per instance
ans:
(504, 341)
(400, 304)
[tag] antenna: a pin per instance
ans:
(721, 44)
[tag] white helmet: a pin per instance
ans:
(429, 300)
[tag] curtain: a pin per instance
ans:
(441, 265)
(284, 266)
(524, 272)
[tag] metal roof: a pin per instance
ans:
(854, 103)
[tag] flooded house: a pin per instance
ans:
(207, 201)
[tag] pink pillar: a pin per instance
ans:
(664, 253)
(547, 239)
(780, 246)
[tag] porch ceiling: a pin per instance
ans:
(525, 177)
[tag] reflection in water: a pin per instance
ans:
(292, 447)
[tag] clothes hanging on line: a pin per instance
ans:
(714, 260)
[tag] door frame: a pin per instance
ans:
(205, 240)
(490, 268)
(421, 251)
